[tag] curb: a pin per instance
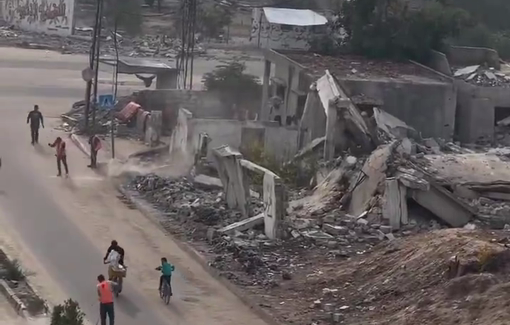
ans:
(155, 216)
(13, 299)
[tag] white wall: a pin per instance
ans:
(44, 16)
(280, 37)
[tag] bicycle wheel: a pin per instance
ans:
(167, 294)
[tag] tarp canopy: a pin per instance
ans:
(294, 17)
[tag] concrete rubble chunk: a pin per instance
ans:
(444, 205)
(207, 181)
(373, 174)
(466, 71)
(392, 127)
(412, 182)
(465, 192)
(335, 230)
(394, 206)
(341, 114)
(243, 224)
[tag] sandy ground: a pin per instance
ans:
(60, 228)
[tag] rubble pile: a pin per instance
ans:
(74, 119)
(159, 46)
(481, 76)
(369, 245)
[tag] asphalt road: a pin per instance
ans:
(32, 202)
(35, 214)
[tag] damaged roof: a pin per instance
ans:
(357, 67)
(294, 17)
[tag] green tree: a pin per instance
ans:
(236, 88)
(126, 13)
(390, 29)
(211, 19)
(68, 313)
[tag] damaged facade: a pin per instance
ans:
(483, 100)
(417, 95)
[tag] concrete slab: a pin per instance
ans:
(444, 205)
(375, 171)
(243, 224)
(468, 168)
(208, 181)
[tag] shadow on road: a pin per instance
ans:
(127, 306)
(42, 151)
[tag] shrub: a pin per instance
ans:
(68, 313)
(13, 270)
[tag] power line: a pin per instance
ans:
(188, 30)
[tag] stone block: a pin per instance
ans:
(335, 230)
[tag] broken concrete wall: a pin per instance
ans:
(429, 106)
(476, 110)
(202, 104)
(423, 103)
(474, 116)
(279, 142)
(154, 128)
(40, 17)
(313, 120)
(229, 169)
(467, 55)
(371, 177)
(179, 139)
(274, 204)
(233, 172)
(439, 62)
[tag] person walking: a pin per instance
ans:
(105, 294)
(95, 145)
(61, 155)
(35, 118)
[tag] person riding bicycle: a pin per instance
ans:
(115, 258)
(166, 273)
(115, 246)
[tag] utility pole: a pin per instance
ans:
(88, 90)
(115, 85)
(96, 70)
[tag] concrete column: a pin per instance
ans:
(275, 204)
(264, 110)
(331, 124)
(231, 176)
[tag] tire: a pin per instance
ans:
(167, 294)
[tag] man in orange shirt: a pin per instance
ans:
(105, 293)
(61, 155)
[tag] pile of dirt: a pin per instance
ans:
(443, 277)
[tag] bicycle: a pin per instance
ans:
(165, 292)
(117, 280)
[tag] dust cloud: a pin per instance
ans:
(176, 165)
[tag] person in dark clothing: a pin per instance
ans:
(35, 118)
(115, 246)
(95, 145)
